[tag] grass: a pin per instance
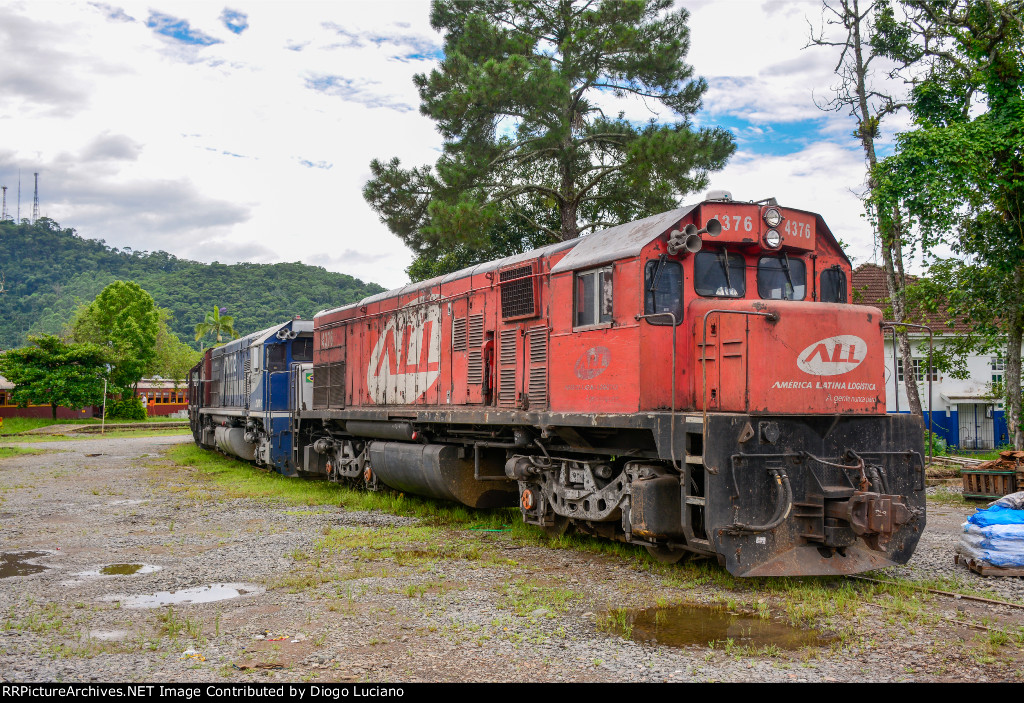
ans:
(6, 452)
(16, 425)
(111, 434)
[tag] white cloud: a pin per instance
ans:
(253, 142)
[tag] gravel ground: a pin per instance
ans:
(479, 607)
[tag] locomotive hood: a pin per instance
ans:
(788, 357)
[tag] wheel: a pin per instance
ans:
(561, 527)
(667, 555)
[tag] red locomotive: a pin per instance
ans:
(695, 382)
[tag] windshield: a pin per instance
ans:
(781, 278)
(719, 274)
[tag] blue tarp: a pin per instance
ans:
(997, 515)
(995, 535)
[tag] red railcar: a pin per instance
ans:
(696, 382)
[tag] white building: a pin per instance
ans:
(968, 413)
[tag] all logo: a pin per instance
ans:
(405, 361)
(593, 362)
(833, 355)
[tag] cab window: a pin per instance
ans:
(276, 357)
(663, 291)
(302, 349)
(719, 274)
(833, 285)
(593, 297)
(781, 278)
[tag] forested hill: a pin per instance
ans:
(48, 272)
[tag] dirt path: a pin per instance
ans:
(326, 595)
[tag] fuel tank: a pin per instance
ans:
(439, 471)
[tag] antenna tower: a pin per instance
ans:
(3, 212)
(35, 202)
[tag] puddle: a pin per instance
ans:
(121, 570)
(124, 569)
(687, 625)
(200, 594)
(20, 564)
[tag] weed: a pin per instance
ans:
(617, 621)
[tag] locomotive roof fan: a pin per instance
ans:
(688, 240)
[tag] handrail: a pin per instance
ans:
(672, 416)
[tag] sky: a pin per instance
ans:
(244, 131)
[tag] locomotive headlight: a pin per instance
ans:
(772, 217)
(772, 239)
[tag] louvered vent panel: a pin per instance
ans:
(476, 330)
(538, 390)
(475, 367)
(508, 347)
(507, 389)
(538, 345)
(517, 292)
(459, 334)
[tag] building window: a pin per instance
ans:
(998, 368)
(663, 291)
(919, 367)
(593, 298)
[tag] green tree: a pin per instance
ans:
(520, 101)
(858, 93)
(123, 319)
(960, 173)
(218, 325)
(172, 358)
(55, 373)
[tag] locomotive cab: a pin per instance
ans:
(246, 392)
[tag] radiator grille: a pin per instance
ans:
(329, 386)
(518, 297)
(336, 396)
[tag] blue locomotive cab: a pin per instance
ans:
(271, 401)
(252, 400)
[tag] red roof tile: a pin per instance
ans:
(869, 288)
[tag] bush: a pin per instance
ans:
(126, 409)
(938, 444)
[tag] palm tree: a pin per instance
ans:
(217, 324)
